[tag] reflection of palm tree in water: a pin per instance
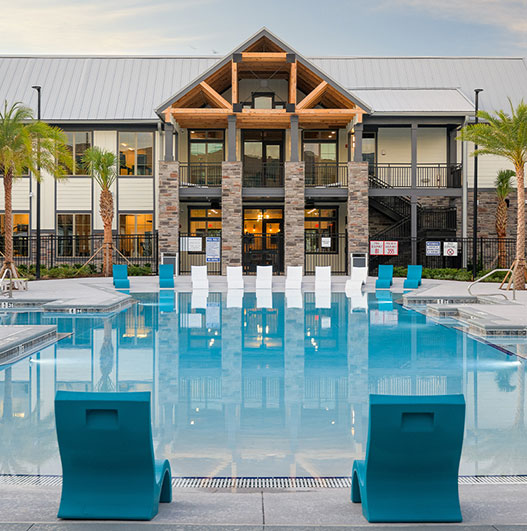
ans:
(105, 383)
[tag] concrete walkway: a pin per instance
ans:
(483, 507)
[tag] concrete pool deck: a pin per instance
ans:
(484, 507)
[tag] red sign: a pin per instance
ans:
(386, 248)
(376, 247)
(391, 248)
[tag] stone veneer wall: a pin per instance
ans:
(358, 236)
(168, 207)
(294, 213)
(231, 215)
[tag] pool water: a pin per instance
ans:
(262, 391)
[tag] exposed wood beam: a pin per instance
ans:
(264, 57)
(313, 97)
(213, 97)
(234, 83)
(292, 83)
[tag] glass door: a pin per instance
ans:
(263, 157)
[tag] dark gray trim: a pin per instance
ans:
(417, 192)
(413, 227)
(263, 193)
(413, 155)
(358, 130)
(169, 142)
(199, 193)
(294, 138)
(408, 120)
(231, 138)
(326, 193)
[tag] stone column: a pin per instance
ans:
(358, 236)
(294, 204)
(231, 215)
(168, 207)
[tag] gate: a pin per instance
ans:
(193, 251)
(326, 250)
(263, 250)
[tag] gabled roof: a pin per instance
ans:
(264, 33)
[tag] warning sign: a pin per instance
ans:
(391, 248)
(433, 248)
(450, 249)
(376, 247)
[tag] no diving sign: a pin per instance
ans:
(450, 249)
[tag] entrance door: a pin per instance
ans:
(263, 239)
(263, 156)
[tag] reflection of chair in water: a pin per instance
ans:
(384, 300)
(358, 301)
(294, 298)
(108, 466)
(264, 298)
(410, 473)
(234, 298)
(199, 299)
(166, 300)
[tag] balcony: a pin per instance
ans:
(258, 174)
(326, 175)
(428, 176)
(200, 174)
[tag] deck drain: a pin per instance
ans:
(255, 482)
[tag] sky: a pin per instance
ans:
(207, 27)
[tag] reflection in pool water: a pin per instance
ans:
(252, 391)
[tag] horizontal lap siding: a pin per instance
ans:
(74, 194)
(136, 194)
(20, 194)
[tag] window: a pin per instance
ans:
(321, 223)
(206, 146)
(135, 234)
(369, 150)
(205, 221)
(78, 142)
(263, 100)
(73, 235)
(136, 153)
(20, 234)
(320, 146)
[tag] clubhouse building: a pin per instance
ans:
(288, 160)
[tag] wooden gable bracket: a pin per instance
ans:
(213, 97)
(313, 97)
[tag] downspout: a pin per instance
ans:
(464, 222)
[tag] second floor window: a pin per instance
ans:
(205, 146)
(136, 152)
(78, 142)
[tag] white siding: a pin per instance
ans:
(488, 168)
(47, 201)
(136, 194)
(159, 154)
(74, 194)
(106, 140)
(20, 194)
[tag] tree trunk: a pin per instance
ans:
(8, 224)
(519, 270)
(501, 231)
(106, 207)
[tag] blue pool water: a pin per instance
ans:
(262, 392)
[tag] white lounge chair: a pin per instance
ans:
(323, 278)
(264, 298)
(199, 299)
(234, 277)
(293, 280)
(294, 298)
(234, 298)
(264, 277)
(199, 277)
(359, 274)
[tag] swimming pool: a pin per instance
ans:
(262, 391)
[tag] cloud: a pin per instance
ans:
(508, 15)
(99, 26)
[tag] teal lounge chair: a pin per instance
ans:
(120, 276)
(108, 466)
(385, 277)
(412, 459)
(413, 277)
(166, 275)
(166, 301)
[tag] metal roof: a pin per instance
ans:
(130, 88)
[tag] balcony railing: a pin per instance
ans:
(263, 174)
(326, 175)
(428, 175)
(200, 174)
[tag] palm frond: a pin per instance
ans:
(101, 164)
(503, 183)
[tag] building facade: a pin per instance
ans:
(287, 160)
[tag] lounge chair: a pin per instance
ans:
(166, 276)
(264, 277)
(293, 280)
(199, 277)
(322, 278)
(384, 300)
(166, 301)
(264, 298)
(385, 277)
(234, 277)
(359, 274)
(234, 298)
(120, 276)
(413, 276)
(410, 473)
(108, 466)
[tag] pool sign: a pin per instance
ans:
(212, 247)
(386, 248)
(433, 248)
(450, 249)
(326, 241)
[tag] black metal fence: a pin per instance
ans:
(193, 251)
(428, 175)
(326, 250)
(263, 174)
(263, 250)
(200, 174)
(139, 249)
(488, 252)
(326, 174)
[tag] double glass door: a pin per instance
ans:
(263, 156)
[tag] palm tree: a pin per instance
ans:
(503, 189)
(25, 145)
(101, 164)
(505, 135)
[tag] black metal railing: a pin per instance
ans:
(139, 249)
(200, 174)
(428, 176)
(193, 251)
(326, 250)
(263, 250)
(326, 174)
(263, 174)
